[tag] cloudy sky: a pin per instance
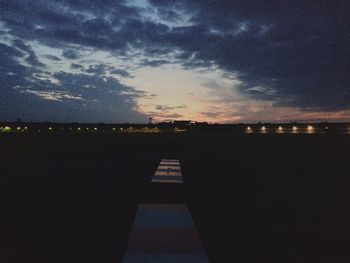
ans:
(216, 61)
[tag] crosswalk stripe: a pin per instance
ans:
(164, 232)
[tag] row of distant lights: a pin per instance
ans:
(263, 129)
(309, 128)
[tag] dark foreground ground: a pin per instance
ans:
(254, 198)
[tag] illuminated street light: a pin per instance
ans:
(295, 128)
(280, 129)
(263, 129)
(7, 129)
(248, 129)
(310, 128)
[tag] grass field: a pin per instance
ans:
(253, 198)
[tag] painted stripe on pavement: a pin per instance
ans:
(164, 233)
(163, 215)
(156, 258)
(168, 181)
(167, 167)
(168, 173)
(170, 160)
(169, 163)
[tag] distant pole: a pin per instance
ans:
(150, 120)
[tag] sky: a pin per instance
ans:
(223, 61)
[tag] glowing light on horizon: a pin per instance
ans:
(7, 129)
(310, 129)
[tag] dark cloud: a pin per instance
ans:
(170, 116)
(105, 96)
(70, 54)
(168, 108)
(211, 114)
(296, 53)
(169, 15)
(71, 97)
(76, 66)
(32, 58)
(99, 69)
(102, 69)
(297, 48)
(121, 72)
(154, 62)
(13, 75)
(53, 58)
(9, 52)
(165, 116)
